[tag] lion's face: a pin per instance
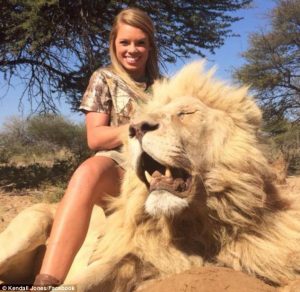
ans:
(188, 141)
(170, 148)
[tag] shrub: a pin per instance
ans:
(42, 150)
(284, 137)
(42, 135)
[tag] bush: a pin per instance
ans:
(36, 175)
(284, 137)
(41, 136)
(41, 151)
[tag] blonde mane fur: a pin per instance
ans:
(244, 223)
(231, 214)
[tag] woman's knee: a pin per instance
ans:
(92, 169)
(92, 179)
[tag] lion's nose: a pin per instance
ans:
(138, 130)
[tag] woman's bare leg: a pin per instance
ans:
(94, 178)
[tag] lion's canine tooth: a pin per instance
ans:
(168, 172)
(148, 176)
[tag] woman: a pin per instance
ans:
(107, 102)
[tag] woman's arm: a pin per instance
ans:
(100, 135)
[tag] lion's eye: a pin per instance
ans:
(183, 114)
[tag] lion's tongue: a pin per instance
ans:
(160, 181)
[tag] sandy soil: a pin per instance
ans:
(11, 204)
(207, 279)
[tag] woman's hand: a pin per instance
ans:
(101, 136)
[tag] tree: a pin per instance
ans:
(55, 45)
(273, 64)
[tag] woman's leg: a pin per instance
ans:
(94, 178)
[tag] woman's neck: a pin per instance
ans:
(138, 77)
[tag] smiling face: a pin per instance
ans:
(132, 50)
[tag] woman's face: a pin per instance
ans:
(132, 50)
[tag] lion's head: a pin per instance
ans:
(195, 141)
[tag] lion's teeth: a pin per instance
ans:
(148, 176)
(168, 172)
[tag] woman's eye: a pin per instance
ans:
(124, 43)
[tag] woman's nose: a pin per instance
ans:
(132, 48)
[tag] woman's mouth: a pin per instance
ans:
(131, 60)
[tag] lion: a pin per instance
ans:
(197, 191)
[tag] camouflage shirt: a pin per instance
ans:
(108, 93)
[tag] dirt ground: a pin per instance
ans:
(208, 279)
(11, 204)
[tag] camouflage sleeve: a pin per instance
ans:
(97, 97)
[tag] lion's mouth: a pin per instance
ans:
(160, 177)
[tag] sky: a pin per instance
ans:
(225, 58)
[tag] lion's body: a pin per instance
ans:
(219, 205)
(22, 243)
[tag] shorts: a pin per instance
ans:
(115, 155)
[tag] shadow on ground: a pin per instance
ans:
(34, 175)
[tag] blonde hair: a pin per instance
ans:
(139, 19)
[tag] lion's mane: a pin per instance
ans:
(242, 222)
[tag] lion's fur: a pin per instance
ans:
(235, 217)
(22, 243)
(245, 224)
